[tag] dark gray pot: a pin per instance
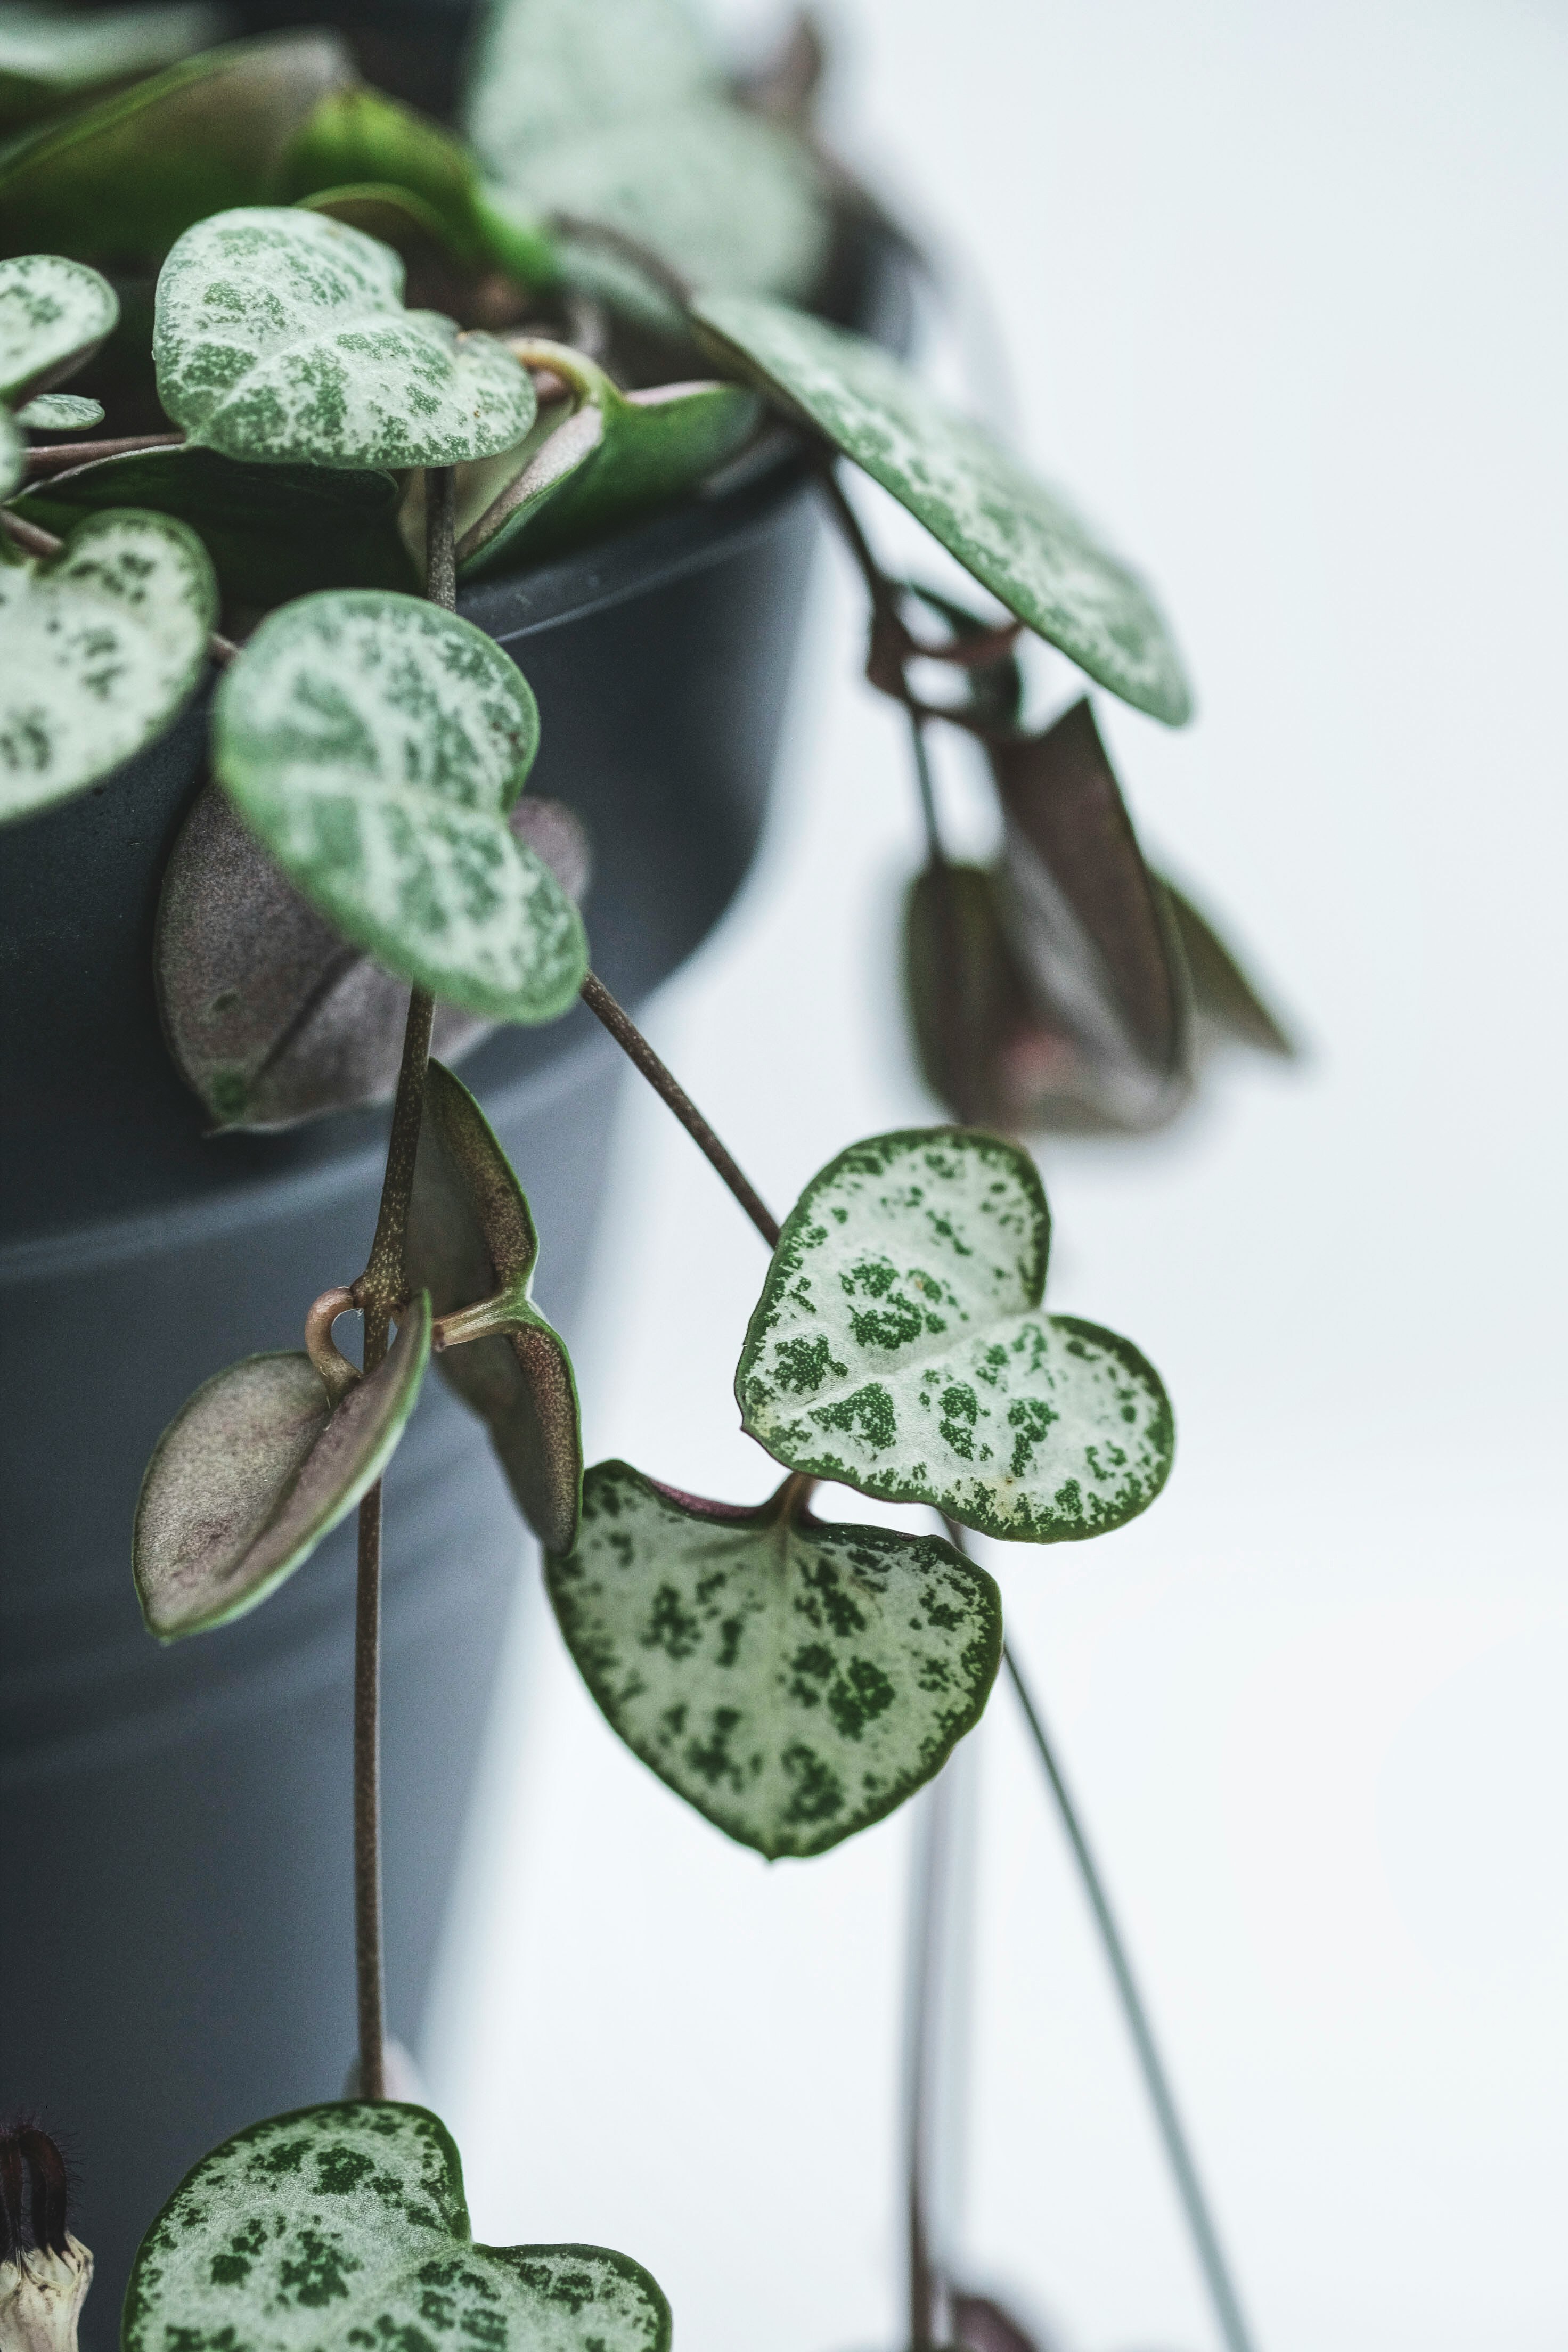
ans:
(176, 1953)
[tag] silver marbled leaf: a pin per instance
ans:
(54, 314)
(59, 412)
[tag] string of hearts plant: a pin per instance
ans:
(335, 463)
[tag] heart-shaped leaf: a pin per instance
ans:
(60, 412)
(1226, 1004)
(118, 182)
(100, 648)
(793, 1681)
(255, 1470)
(471, 1243)
(357, 137)
(53, 316)
(270, 1017)
(1017, 538)
(339, 2227)
(375, 743)
(273, 532)
(281, 337)
(548, 69)
(629, 452)
(47, 61)
(898, 1346)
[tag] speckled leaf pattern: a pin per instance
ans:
(54, 314)
(270, 1016)
(628, 452)
(898, 1346)
(375, 744)
(1016, 537)
(255, 1470)
(793, 1681)
(547, 69)
(471, 1243)
(59, 412)
(280, 338)
(47, 58)
(100, 648)
(340, 2227)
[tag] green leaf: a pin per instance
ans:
(548, 69)
(273, 532)
(1226, 1004)
(60, 412)
(255, 1470)
(614, 458)
(119, 182)
(358, 138)
(281, 337)
(100, 648)
(472, 1246)
(343, 2226)
(11, 455)
(898, 1346)
(47, 59)
(53, 316)
(795, 1681)
(375, 743)
(271, 1018)
(1016, 537)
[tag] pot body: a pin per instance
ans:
(177, 1952)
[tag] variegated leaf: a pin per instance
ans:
(255, 1470)
(1016, 537)
(280, 338)
(54, 314)
(100, 648)
(339, 2227)
(48, 59)
(472, 1246)
(270, 1016)
(898, 1346)
(60, 412)
(375, 744)
(546, 70)
(614, 458)
(117, 182)
(793, 1681)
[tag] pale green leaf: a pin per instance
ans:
(472, 1246)
(119, 180)
(255, 1470)
(546, 70)
(375, 744)
(898, 1346)
(100, 648)
(340, 2227)
(281, 337)
(49, 57)
(793, 1681)
(54, 314)
(1018, 538)
(614, 458)
(60, 412)
(12, 454)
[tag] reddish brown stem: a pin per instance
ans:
(57, 456)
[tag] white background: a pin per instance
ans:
(1282, 290)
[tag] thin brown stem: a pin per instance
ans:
(28, 536)
(637, 1050)
(57, 456)
(381, 1290)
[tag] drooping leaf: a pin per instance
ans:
(341, 2226)
(54, 314)
(359, 137)
(981, 2324)
(985, 1048)
(472, 1243)
(100, 648)
(270, 1016)
(281, 337)
(255, 1470)
(273, 532)
(60, 412)
(627, 452)
(49, 59)
(1087, 924)
(118, 182)
(898, 1346)
(1018, 539)
(1225, 1002)
(375, 744)
(793, 1681)
(547, 71)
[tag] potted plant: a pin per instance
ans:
(397, 455)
